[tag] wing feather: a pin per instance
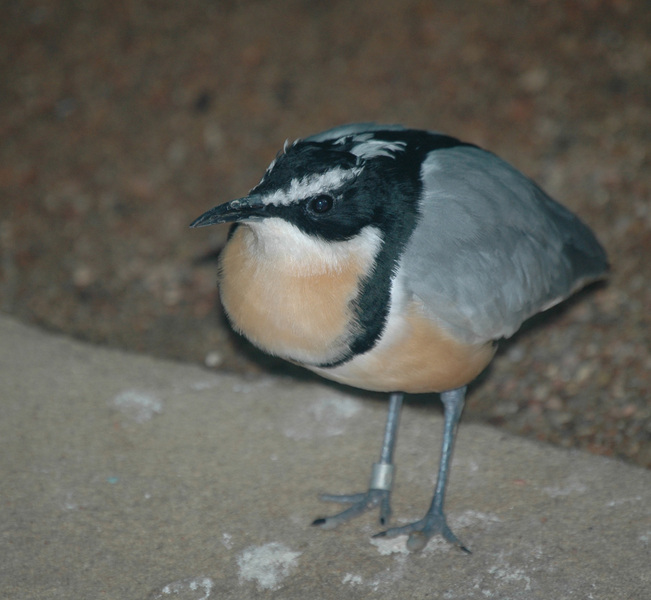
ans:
(491, 248)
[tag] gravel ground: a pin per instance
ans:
(122, 121)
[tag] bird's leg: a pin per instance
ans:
(379, 490)
(434, 522)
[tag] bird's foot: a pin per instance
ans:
(360, 504)
(420, 532)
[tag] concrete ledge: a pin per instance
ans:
(131, 478)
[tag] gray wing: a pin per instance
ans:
(491, 248)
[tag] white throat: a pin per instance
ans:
(283, 246)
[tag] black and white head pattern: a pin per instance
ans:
(335, 184)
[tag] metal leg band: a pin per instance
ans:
(381, 476)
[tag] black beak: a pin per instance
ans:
(242, 209)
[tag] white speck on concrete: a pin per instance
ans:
(227, 540)
(621, 501)
(267, 565)
(137, 405)
(324, 417)
(187, 589)
(69, 503)
(470, 518)
(386, 546)
(436, 545)
(503, 580)
(246, 387)
(352, 579)
(570, 489)
(392, 573)
(508, 574)
(213, 359)
(342, 406)
(200, 386)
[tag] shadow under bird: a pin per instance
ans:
(393, 259)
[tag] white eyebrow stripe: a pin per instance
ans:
(370, 148)
(269, 169)
(311, 185)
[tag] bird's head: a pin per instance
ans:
(334, 186)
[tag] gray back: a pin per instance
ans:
(492, 249)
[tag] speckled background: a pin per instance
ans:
(121, 121)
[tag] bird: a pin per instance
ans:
(395, 260)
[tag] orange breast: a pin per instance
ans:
(300, 317)
(415, 356)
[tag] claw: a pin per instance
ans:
(420, 532)
(361, 503)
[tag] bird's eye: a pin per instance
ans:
(321, 204)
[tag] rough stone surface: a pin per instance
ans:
(124, 476)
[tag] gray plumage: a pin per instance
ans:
(492, 249)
